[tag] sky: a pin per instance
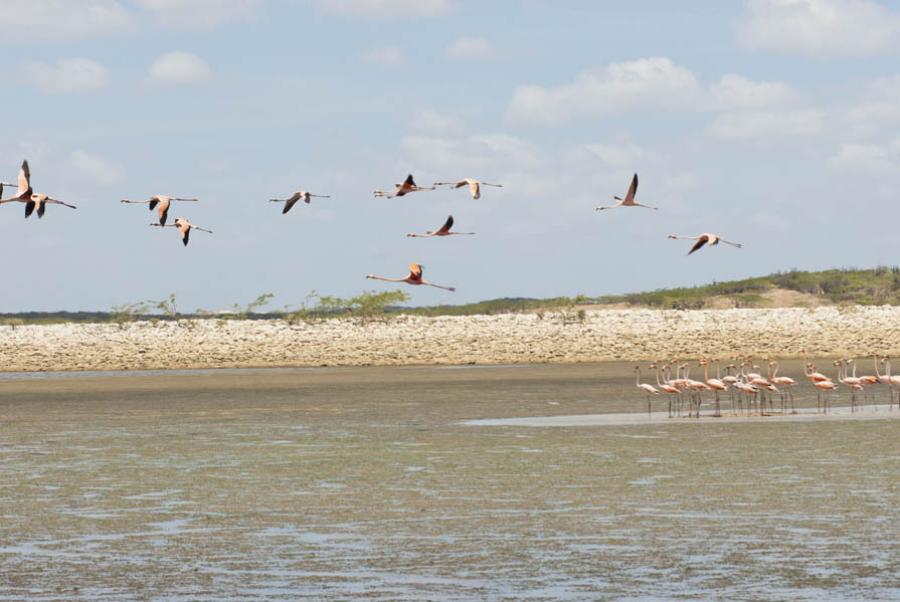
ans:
(775, 123)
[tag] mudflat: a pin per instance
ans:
(370, 483)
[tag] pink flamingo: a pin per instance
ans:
(414, 278)
(716, 385)
(408, 185)
(646, 388)
(443, 231)
(671, 391)
(785, 382)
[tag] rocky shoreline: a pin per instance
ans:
(602, 335)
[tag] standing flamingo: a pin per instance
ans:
(628, 201)
(414, 278)
(161, 203)
(646, 388)
(893, 381)
(851, 382)
(716, 385)
(443, 231)
(786, 383)
(474, 186)
(670, 390)
(823, 387)
(729, 379)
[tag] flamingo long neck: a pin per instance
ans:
(637, 377)
(706, 371)
(877, 373)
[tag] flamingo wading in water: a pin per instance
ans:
(646, 388)
(414, 278)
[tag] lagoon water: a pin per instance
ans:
(373, 483)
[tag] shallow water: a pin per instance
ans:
(367, 483)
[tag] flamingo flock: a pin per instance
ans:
(753, 394)
(162, 203)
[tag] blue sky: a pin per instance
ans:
(775, 123)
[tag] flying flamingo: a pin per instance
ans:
(715, 384)
(408, 185)
(7, 184)
(161, 203)
(306, 197)
(474, 186)
(184, 227)
(414, 278)
(32, 200)
(705, 239)
(444, 231)
(647, 389)
(628, 201)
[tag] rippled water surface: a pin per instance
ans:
(369, 483)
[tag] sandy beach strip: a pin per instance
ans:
(656, 418)
(603, 335)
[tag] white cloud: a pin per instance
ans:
(67, 76)
(879, 109)
(652, 83)
(868, 158)
(198, 13)
(470, 154)
(390, 56)
(820, 27)
(471, 48)
(175, 68)
(63, 19)
(764, 126)
(619, 155)
(433, 122)
(95, 169)
(737, 92)
(386, 9)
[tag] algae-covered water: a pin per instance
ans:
(370, 483)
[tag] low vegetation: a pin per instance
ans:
(844, 287)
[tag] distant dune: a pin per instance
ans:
(597, 335)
